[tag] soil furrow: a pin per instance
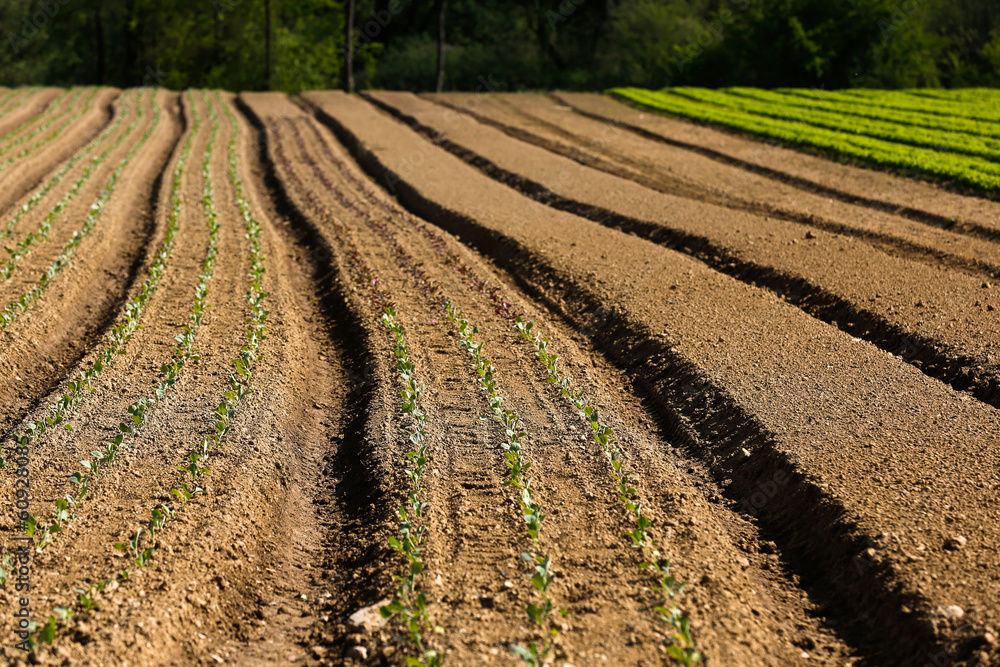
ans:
(469, 497)
(540, 120)
(15, 184)
(728, 387)
(843, 289)
(921, 202)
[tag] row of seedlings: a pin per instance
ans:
(409, 602)
(517, 464)
(140, 544)
(138, 410)
(239, 382)
(31, 120)
(27, 300)
(809, 100)
(195, 462)
(681, 646)
(17, 99)
(775, 105)
(57, 177)
(51, 136)
(5, 97)
(25, 245)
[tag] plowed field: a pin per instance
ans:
(509, 368)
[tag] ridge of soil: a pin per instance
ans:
(726, 393)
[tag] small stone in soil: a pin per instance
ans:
(357, 653)
(955, 543)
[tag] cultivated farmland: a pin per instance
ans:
(499, 379)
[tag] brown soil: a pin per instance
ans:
(18, 181)
(811, 488)
(912, 308)
(922, 202)
(27, 111)
(671, 169)
(799, 396)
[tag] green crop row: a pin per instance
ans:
(902, 134)
(28, 299)
(518, 466)
(43, 530)
(897, 102)
(977, 106)
(409, 602)
(239, 382)
(38, 118)
(964, 169)
(48, 138)
(681, 646)
(24, 246)
(194, 463)
(61, 172)
(849, 108)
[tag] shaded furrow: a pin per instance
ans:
(917, 201)
(893, 303)
(727, 388)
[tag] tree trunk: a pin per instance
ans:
(442, 7)
(267, 44)
(133, 70)
(99, 46)
(349, 48)
(216, 39)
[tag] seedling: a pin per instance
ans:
(88, 597)
(518, 467)
(6, 569)
(409, 603)
(682, 644)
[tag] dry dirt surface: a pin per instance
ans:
(255, 348)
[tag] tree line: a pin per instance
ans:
(292, 45)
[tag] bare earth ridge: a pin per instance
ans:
(798, 358)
